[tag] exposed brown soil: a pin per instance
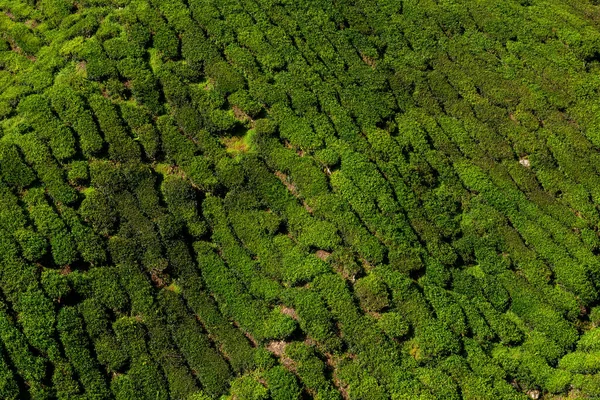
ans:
(308, 208)
(251, 339)
(322, 254)
(369, 61)
(525, 162)
(286, 181)
(81, 66)
(66, 270)
(277, 347)
(235, 144)
(157, 278)
(289, 311)
(240, 115)
(31, 23)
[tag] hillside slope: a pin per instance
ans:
(276, 199)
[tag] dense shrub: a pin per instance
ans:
(14, 171)
(282, 384)
(75, 343)
(272, 199)
(393, 324)
(33, 244)
(371, 292)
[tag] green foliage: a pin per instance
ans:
(198, 396)
(434, 340)
(372, 293)
(310, 370)
(393, 324)
(209, 367)
(202, 175)
(195, 48)
(447, 311)
(360, 384)
(39, 115)
(49, 224)
(247, 387)
(282, 384)
(69, 105)
(77, 351)
(50, 174)
(165, 41)
(273, 199)
(56, 10)
(147, 378)
(278, 326)
(33, 245)
(181, 200)
(97, 210)
(55, 284)
(12, 168)
(243, 101)
(595, 316)
(226, 79)
(229, 173)
(121, 146)
(587, 385)
(37, 319)
(78, 172)
(122, 387)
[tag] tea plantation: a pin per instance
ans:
(299, 199)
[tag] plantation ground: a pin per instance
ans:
(276, 199)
